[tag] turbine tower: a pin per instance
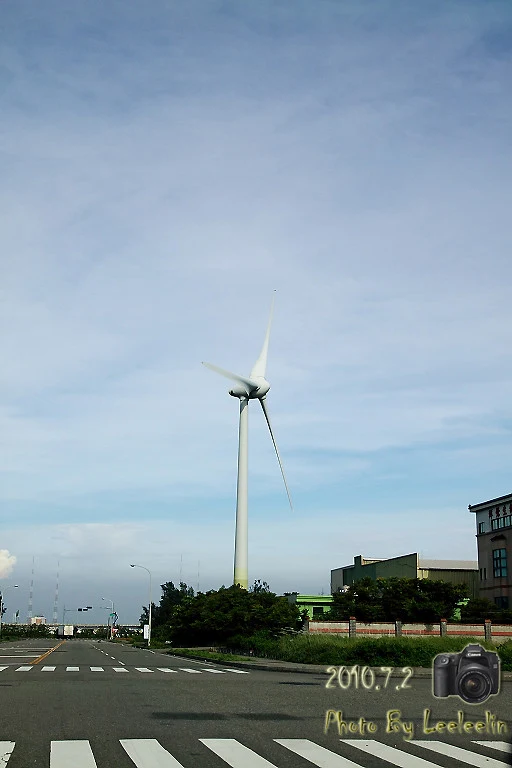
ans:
(253, 387)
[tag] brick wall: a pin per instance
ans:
(500, 633)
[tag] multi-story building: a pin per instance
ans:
(494, 542)
(410, 566)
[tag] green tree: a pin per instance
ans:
(478, 609)
(361, 600)
(162, 615)
(259, 586)
(216, 616)
(407, 600)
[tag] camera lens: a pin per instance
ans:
(474, 686)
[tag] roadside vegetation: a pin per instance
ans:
(371, 651)
(241, 624)
(17, 631)
(213, 618)
(413, 601)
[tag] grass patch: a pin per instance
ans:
(155, 644)
(212, 655)
(383, 651)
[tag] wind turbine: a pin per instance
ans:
(252, 387)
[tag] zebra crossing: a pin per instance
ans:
(149, 753)
(121, 670)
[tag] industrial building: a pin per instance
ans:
(410, 566)
(493, 520)
(316, 606)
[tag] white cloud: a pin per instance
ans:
(7, 563)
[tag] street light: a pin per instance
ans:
(133, 565)
(13, 586)
(111, 616)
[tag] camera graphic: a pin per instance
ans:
(473, 674)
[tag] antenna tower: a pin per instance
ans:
(31, 595)
(56, 601)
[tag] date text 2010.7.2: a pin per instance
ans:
(365, 677)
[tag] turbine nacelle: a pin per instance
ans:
(258, 390)
(239, 390)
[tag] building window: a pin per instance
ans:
(501, 522)
(499, 563)
(501, 602)
(481, 527)
(318, 611)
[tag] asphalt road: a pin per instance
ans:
(88, 704)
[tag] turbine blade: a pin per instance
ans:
(264, 407)
(234, 376)
(260, 366)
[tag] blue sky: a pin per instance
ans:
(165, 167)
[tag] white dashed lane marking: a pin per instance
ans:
(142, 670)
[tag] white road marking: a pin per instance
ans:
(215, 671)
(6, 748)
(390, 754)
(192, 671)
(143, 669)
(316, 754)
(119, 669)
(167, 669)
(72, 669)
(235, 754)
(503, 746)
(237, 671)
(113, 657)
(19, 655)
(96, 669)
(469, 758)
(78, 754)
(148, 753)
(47, 669)
(24, 669)
(1, 670)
